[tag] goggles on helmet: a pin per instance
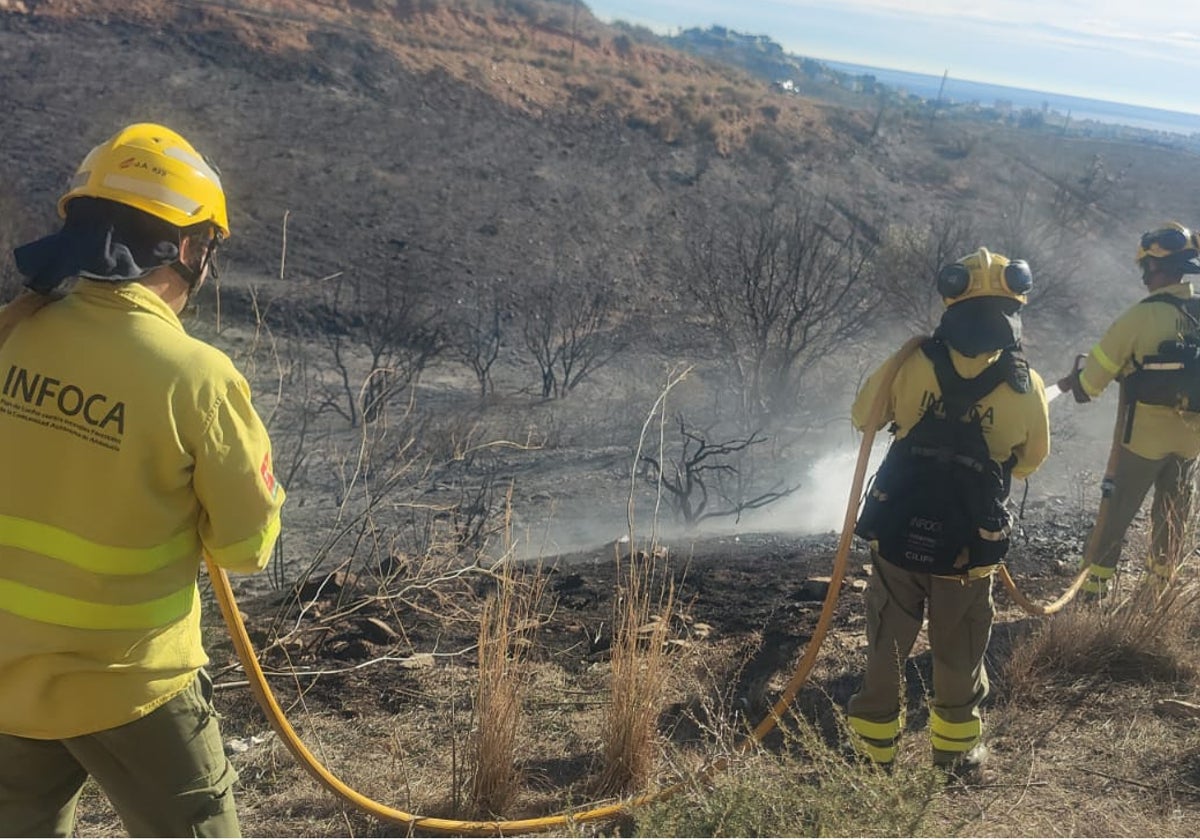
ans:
(984, 273)
(953, 280)
(1167, 242)
(1168, 239)
(1018, 277)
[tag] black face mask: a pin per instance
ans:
(981, 325)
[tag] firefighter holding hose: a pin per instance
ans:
(1153, 351)
(968, 414)
(130, 451)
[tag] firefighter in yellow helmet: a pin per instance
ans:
(1151, 349)
(967, 414)
(130, 451)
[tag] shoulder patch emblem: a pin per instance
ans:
(268, 476)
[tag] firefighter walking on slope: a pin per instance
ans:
(1152, 350)
(968, 414)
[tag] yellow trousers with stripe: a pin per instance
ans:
(960, 624)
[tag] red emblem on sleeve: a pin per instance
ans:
(268, 477)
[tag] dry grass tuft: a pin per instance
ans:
(509, 617)
(640, 674)
(1149, 636)
(507, 622)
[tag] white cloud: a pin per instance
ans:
(1149, 21)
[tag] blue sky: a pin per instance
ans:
(1145, 52)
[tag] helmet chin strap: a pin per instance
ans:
(192, 276)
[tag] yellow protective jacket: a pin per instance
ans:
(1013, 424)
(1157, 430)
(129, 449)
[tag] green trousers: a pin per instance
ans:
(166, 774)
(1174, 482)
(960, 625)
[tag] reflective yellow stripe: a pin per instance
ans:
(247, 548)
(39, 605)
(948, 745)
(91, 556)
(1160, 568)
(876, 740)
(957, 731)
(1105, 362)
(881, 755)
(953, 737)
(1098, 571)
(870, 729)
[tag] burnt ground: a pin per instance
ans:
(417, 154)
(369, 640)
(382, 692)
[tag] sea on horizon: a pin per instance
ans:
(988, 95)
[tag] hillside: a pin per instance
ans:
(452, 140)
(483, 275)
(446, 128)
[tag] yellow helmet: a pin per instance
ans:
(155, 170)
(1171, 241)
(984, 274)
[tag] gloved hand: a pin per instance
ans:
(1070, 383)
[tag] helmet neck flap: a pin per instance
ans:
(981, 325)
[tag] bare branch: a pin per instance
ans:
(685, 478)
(781, 287)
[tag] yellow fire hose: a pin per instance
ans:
(279, 722)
